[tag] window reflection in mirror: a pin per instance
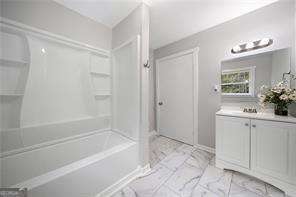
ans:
(241, 78)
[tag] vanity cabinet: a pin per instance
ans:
(273, 149)
(263, 146)
(233, 140)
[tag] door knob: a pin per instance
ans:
(160, 103)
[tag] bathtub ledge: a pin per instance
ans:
(52, 175)
(116, 187)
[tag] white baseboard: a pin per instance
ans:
(120, 184)
(146, 169)
(205, 148)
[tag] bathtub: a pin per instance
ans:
(88, 166)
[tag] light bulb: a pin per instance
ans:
(264, 42)
(250, 45)
(236, 49)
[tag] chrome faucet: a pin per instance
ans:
(250, 110)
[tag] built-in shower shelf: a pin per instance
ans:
(102, 95)
(100, 74)
(10, 62)
(102, 92)
(10, 93)
(105, 115)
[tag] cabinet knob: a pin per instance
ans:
(246, 124)
(254, 126)
(160, 103)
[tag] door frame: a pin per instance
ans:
(194, 52)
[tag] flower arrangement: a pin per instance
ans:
(280, 95)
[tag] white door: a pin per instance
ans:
(177, 95)
(233, 140)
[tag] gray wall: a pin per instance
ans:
(55, 18)
(293, 106)
(128, 27)
(275, 21)
(280, 64)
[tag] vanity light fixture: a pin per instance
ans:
(250, 45)
(265, 42)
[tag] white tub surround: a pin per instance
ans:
(58, 138)
(38, 104)
(262, 145)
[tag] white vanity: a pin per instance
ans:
(262, 145)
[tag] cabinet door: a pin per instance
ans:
(233, 140)
(292, 155)
(273, 148)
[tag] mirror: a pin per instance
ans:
(241, 78)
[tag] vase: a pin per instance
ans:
(281, 110)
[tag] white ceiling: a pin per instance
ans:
(107, 12)
(171, 20)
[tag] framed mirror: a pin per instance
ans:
(241, 78)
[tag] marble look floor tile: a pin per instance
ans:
(239, 191)
(206, 154)
(199, 158)
(165, 192)
(175, 160)
(184, 179)
(154, 159)
(200, 191)
(178, 163)
(185, 148)
(250, 183)
(160, 147)
(153, 138)
(126, 192)
(213, 161)
(273, 191)
(145, 186)
(165, 144)
(216, 180)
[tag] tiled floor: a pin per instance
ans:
(179, 170)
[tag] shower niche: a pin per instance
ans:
(14, 68)
(100, 74)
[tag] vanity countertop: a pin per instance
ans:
(259, 115)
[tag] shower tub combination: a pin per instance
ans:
(81, 142)
(80, 167)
